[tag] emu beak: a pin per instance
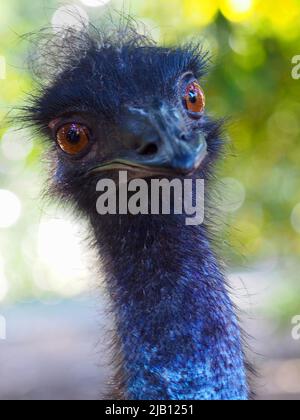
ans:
(161, 144)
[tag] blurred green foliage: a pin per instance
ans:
(252, 44)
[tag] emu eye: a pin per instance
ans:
(194, 98)
(73, 138)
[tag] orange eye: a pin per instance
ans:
(73, 138)
(194, 98)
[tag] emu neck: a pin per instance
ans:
(178, 334)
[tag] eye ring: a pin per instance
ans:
(194, 99)
(73, 138)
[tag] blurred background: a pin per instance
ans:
(48, 302)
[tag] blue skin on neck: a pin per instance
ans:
(179, 335)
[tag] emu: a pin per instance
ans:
(115, 100)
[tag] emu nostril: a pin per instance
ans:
(183, 137)
(148, 149)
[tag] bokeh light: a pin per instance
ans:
(295, 218)
(10, 209)
(62, 267)
(237, 10)
(70, 16)
(16, 145)
(95, 3)
(59, 246)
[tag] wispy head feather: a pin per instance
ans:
(98, 68)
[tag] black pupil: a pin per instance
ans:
(193, 96)
(74, 135)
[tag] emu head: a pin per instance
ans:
(119, 101)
